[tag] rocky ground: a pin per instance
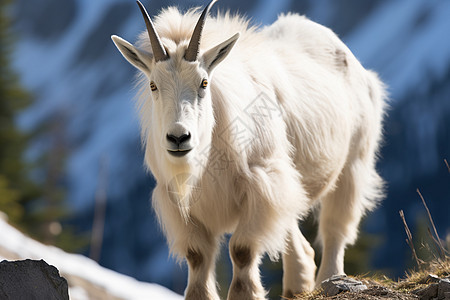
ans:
(430, 283)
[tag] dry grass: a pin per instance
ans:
(382, 287)
(417, 279)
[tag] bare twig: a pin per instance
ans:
(446, 163)
(437, 240)
(98, 225)
(409, 239)
(446, 252)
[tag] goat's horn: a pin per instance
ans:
(159, 53)
(192, 50)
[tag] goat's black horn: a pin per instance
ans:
(192, 50)
(159, 53)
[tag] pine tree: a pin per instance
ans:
(15, 189)
(36, 209)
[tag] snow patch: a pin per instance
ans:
(115, 284)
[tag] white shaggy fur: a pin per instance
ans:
(290, 120)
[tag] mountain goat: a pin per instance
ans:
(246, 130)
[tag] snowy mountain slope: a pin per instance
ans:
(65, 56)
(409, 50)
(85, 277)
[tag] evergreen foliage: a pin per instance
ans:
(16, 190)
(35, 208)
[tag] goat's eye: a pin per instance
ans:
(153, 86)
(204, 84)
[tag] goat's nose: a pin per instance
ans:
(178, 140)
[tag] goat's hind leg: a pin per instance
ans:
(357, 191)
(299, 267)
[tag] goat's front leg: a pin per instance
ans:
(273, 202)
(246, 283)
(190, 240)
(201, 256)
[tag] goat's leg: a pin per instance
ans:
(340, 214)
(298, 264)
(246, 283)
(190, 240)
(263, 232)
(338, 225)
(201, 257)
(274, 201)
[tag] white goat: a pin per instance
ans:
(249, 144)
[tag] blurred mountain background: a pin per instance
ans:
(70, 149)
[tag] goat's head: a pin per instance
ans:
(178, 77)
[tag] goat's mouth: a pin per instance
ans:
(179, 152)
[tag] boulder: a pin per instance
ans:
(31, 279)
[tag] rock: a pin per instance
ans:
(341, 283)
(427, 293)
(444, 289)
(31, 279)
(439, 290)
(431, 278)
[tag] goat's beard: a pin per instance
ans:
(182, 186)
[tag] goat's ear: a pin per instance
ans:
(139, 59)
(214, 56)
